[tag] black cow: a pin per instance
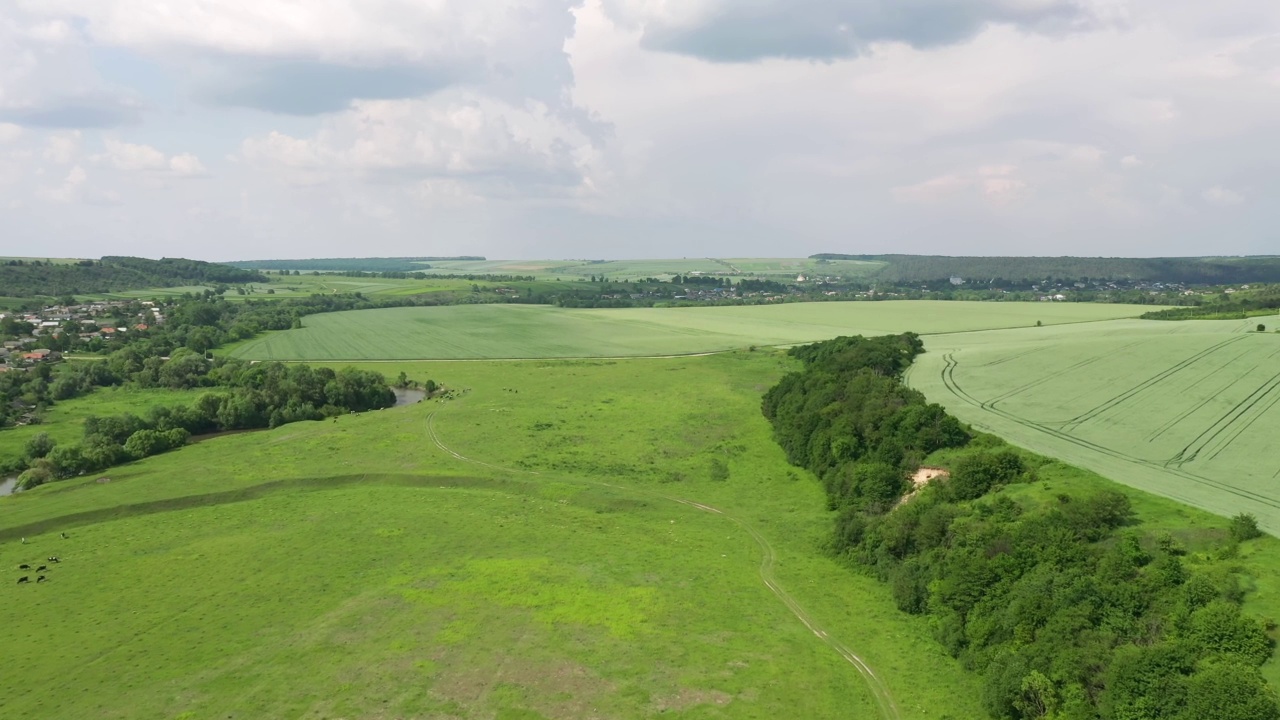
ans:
(23, 579)
(42, 568)
(24, 567)
(54, 559)
(41, 579)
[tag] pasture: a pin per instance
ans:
(1188, 410)
(64, 420)
(527, 550)
(528, 331)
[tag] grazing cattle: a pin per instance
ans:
(42, 568)
(24, 566)
(41, 579)
(54, 559)
(64, 536)
(23, 579)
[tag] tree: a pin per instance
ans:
(39, 446)
(1262, 328)
(1230, 691)
(1244, 527)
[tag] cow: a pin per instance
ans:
(64, 536)
(42, 568)
(24, 566)
(41, 579)
(54, 559)
(23, 579)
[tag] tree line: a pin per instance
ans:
(242, 396)
(1014, 270)
(1067, 609)
(1237, 306)
(392, 264)
(25, 278)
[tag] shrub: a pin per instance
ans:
(34, 477)
(39, 446)
(1244, 527)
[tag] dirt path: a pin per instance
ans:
(879, 689)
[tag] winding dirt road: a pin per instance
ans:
(879, 689)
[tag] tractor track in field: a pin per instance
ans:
(1148, 383)
(1191, 451)
(989, 404)
(1170, 424)
(879, 689)
(953, 386)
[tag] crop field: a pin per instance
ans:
(568, 539)
(1189, 410)
(527, 331)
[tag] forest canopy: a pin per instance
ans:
(1067, 609)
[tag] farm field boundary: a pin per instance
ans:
(527, 331)
(1187, 410)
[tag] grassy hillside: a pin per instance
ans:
(1186, 410)
(511, 331)
(528, 550)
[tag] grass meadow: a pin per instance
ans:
(533, 331)
(64, 420)
(357, 568)
(1187, 410)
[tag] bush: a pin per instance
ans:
(1244, 527)
(39, 446)
(977, 474)
(34, 477)
(1262, 328)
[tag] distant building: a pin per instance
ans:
(957, 280)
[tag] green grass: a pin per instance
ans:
(64, 421)
(356, 569)
(1189, 410)
(527, 331)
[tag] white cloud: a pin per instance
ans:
(186, 165)
(463, 137)
(71, 189)
(1221, 196)
(9, 132)
(61, 148)
(1130, 161)
(314, 57)
(127, 156)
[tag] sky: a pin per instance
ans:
(250, 129)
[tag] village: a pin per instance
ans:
(30, 338)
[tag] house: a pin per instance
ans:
(140, 326)
(957, 280)
(42, 354)
(107, 331)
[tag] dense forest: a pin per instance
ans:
(1019, 270)
(30, 278)
(392, 264)
(1067, 610)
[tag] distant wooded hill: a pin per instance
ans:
(394, 264)
(1202, 270)
(31, 278)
